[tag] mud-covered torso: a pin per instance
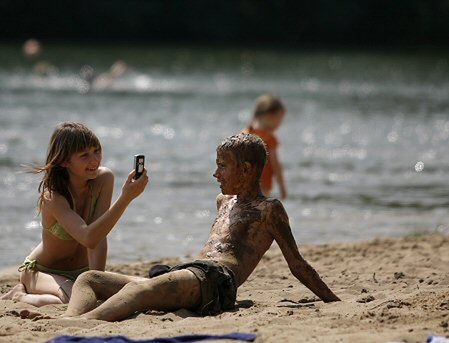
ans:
(239, 235)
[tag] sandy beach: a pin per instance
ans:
(393, 290)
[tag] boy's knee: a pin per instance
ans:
(134, 286)
(91, 276)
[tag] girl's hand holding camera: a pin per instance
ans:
(131, 189)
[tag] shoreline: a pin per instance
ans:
(112, 261)
(392, 289)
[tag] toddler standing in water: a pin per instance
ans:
(267, 117)
(75, 204)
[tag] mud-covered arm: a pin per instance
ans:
(280, 227)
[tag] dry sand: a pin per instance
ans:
(392, 290)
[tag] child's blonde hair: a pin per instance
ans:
(266, 104)
(67, 139)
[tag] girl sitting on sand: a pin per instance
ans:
(267, 117)
(75, 204)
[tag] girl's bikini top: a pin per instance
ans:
(58, 231)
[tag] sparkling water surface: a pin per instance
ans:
(364, 142)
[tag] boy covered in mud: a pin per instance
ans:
(246, 225)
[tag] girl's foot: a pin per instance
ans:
(16, 293)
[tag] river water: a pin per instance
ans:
(364, 142)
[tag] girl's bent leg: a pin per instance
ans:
(37, 300)
(18, 293)
(44, 289)
(92, 286)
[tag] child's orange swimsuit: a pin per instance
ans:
(266, 180)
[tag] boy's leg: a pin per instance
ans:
(92, 286)
(171, 291)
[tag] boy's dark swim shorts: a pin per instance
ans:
(218, 290)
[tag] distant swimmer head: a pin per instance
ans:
(32, 48)
(118, 68)
(87, 73)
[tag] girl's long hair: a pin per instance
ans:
(67, 139)
(265, 104)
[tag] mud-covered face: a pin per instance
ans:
(228, 173)
(85, 163)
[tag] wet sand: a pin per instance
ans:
(392, 290)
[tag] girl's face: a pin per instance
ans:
(272, 121)
(84, 163)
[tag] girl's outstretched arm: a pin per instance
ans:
(91, 235)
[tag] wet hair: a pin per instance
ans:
(67, 138)
(246, 148)
(266, 104)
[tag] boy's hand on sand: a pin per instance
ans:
(133, 188)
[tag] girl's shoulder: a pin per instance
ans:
(104, 173)
(105, 178)
(52, 200)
